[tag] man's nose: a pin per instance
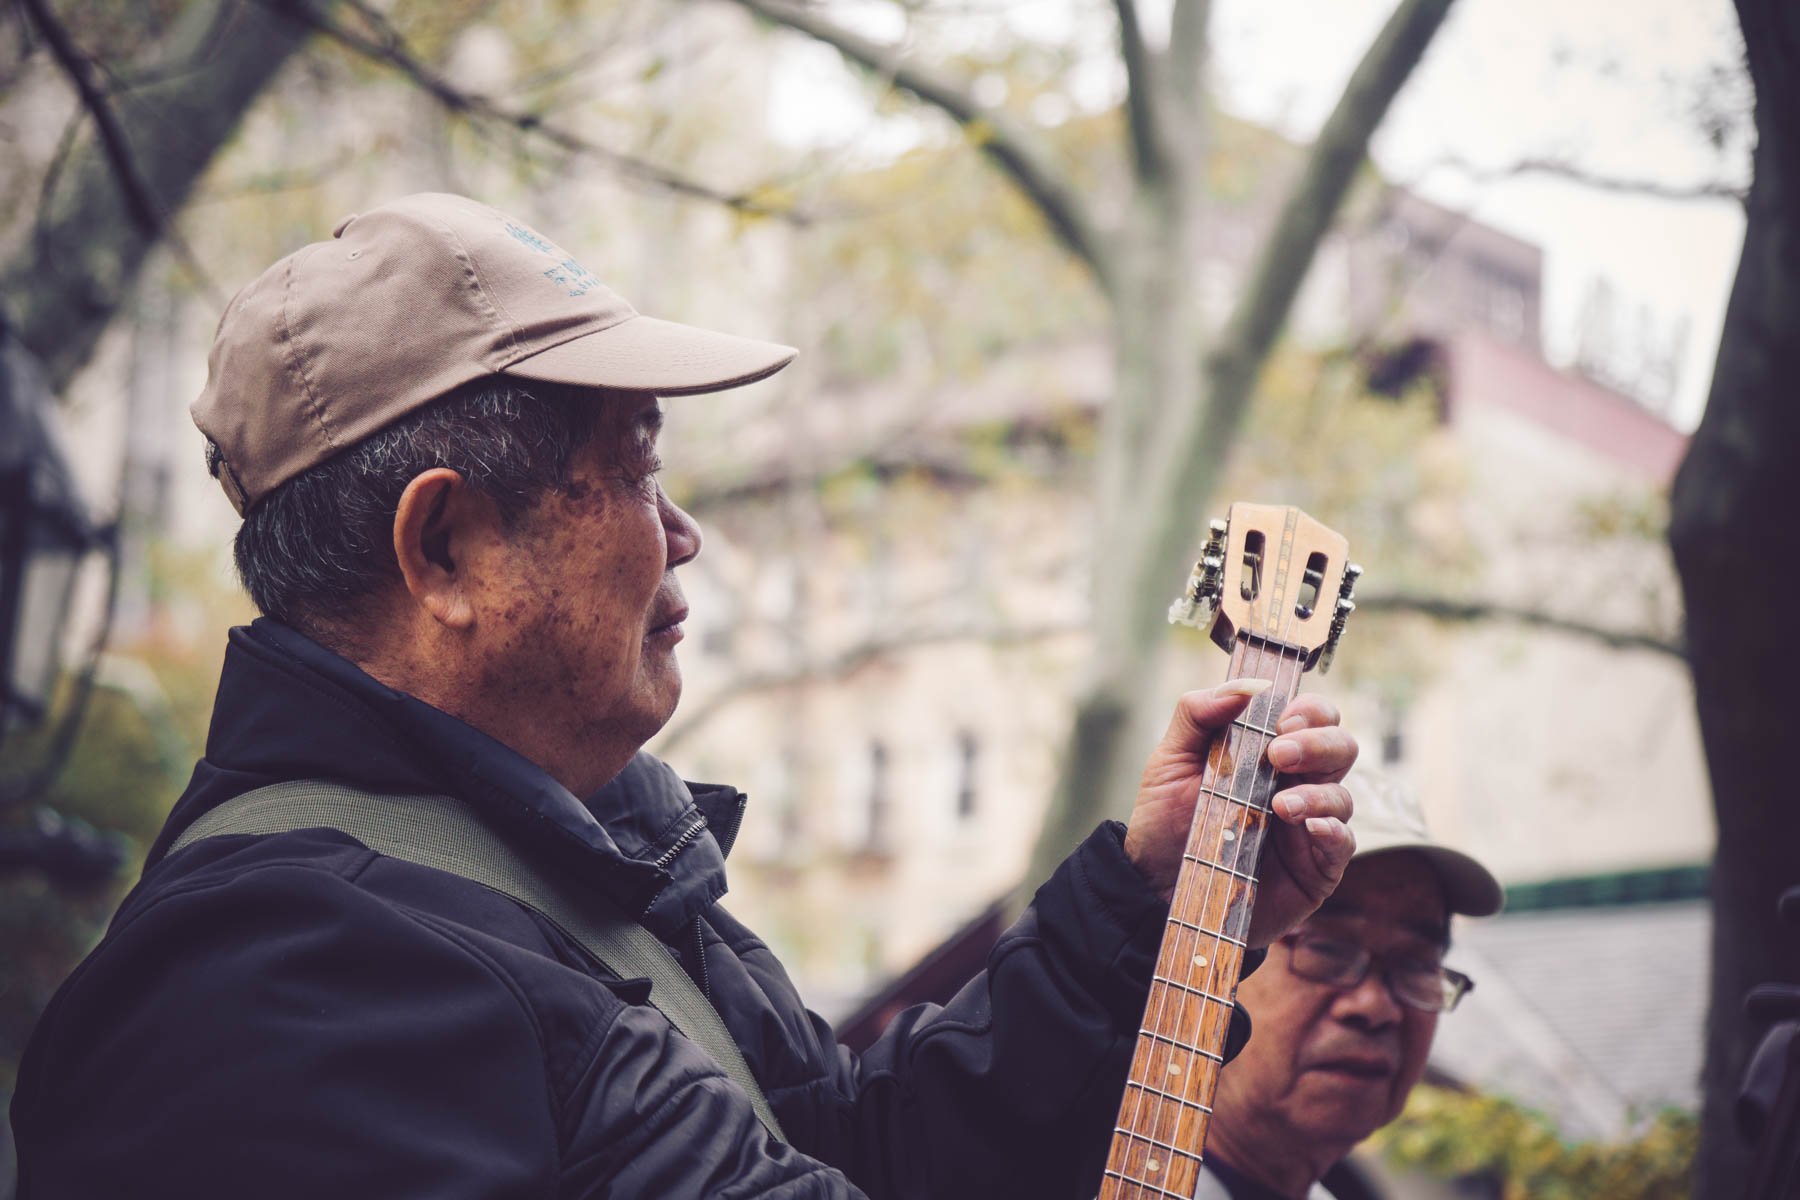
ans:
(1371, 1003)
(681, 531)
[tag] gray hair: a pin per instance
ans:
(317, 548)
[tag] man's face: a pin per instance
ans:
(586, 612)
(1327, 1066)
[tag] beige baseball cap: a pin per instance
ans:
(1389, 817)
(411, 300)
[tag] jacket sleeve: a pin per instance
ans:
(269, 1036)
(1012, 1087)
(279, 1033)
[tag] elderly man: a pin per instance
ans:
(441, 432)
(1346, 1005)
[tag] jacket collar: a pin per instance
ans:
(288, 708)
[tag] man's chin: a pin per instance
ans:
(1344, 1107)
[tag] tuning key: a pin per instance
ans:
(1340, 614)
(1200, 599)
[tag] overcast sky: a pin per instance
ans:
(1611, 85)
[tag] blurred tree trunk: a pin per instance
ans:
(1177, 403)
(1171, 426)
(113, 200)
(1732, 531)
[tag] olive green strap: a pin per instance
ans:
(440, 832)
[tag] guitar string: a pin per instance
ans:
(1132, 1129)
(1228, 816)
(1244, 668)
(1185, 971)
(1262, 791)
(1262, 804)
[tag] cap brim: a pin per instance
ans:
(647, 355)
(1469, 888)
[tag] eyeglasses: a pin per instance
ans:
(1414, 982)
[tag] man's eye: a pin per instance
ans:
(1417, 968)
(1339, 952)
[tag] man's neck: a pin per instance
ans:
(1289, 1173)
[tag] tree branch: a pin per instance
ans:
(1001, 139)
(1180, 470)
(63, 284)
(1143, 99)
(1444, 608)
(75, 65)
(845, 664)
(389, 48)
(140, 198)
(1557, 168)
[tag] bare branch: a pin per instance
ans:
(1444, 608)
(1557, 168)
(389, 48)
(1001, 139)
(1143, 99)
(846, 663)
(73, 274)
(140, 198)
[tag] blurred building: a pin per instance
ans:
(889, 612)
(898, 671)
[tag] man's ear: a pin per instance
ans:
(437, 523)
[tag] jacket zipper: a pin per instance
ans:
(700, 956)
(681, 843)
(727, 838)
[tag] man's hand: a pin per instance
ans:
(1307, 847)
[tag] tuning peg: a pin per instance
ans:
(1340, 614)
(1200, 599)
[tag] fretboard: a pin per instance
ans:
(1163, 1119)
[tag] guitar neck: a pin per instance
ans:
(1163, 1119)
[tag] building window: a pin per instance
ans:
(968, 758)
(1393, 733)
(875, 837)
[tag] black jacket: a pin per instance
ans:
(294, 1015)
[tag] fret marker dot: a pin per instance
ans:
(1199, 960)
(1174, 1070)
(1154, 1165)
(1230, 834)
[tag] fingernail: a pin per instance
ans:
(1243, 687)
(1289, 804)
(1320, 826)
(1289, 724)
(1283, 754)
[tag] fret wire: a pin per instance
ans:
(1207, 862)
(1170, 1096)
(1260, 780)
(1156, 979)
(1181, 1045)
(1280, 648)
(1161, 1145)
(1212, 933)
(1258, 806)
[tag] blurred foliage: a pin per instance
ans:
(1454, 1134)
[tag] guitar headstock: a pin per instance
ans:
(1269, 571)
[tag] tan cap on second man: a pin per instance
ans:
(409, 301)
(1390, 817)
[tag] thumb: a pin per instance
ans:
(1198, 714)
(1210, 709)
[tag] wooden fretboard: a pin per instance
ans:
(1156, 1146)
